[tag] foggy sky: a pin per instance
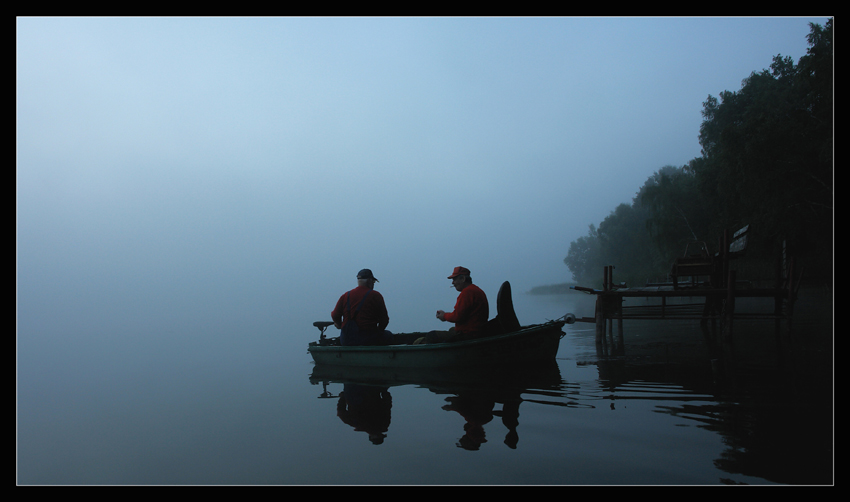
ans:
(233, 168)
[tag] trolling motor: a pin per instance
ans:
(323, 325)
(326, 394)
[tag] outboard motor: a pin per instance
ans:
(322, 325)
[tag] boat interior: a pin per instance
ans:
(505, 321)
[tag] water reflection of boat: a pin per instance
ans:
(508, 343)
(473, 393)
(542, 376)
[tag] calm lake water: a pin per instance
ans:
(247, 408)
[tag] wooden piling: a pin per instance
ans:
(620, 338)
(609, 279)
(600, 322)
(729, 308)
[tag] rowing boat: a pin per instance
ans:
(507, 344)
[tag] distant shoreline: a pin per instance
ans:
(552, 289)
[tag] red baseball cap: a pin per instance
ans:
(459, 271)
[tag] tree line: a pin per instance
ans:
(766, 161)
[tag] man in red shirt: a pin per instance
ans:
(471, 309)
(361, 314)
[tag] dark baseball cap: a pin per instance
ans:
(366, 274)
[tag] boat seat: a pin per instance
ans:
(506, 320)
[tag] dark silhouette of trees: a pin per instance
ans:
(766, 161)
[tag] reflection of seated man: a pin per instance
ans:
(510, 419)
(367, 409)
(469, 315)
(477, 411)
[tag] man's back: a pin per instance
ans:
(372, 315)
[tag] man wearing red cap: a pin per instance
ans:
(471, 310)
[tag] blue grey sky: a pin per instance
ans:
(221, 166)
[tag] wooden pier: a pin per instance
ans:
(711, 301)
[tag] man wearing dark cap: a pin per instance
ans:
(361, 314)
(471, 309)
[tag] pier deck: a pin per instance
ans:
(698, 301)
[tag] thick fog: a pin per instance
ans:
(175, 174)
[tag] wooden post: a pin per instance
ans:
(620, 340)
(600, 322)
(600, 313)
(605, 279)
(791, 293)
(779, 289)
(730, 303)
(609, 307)
(721, 268)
